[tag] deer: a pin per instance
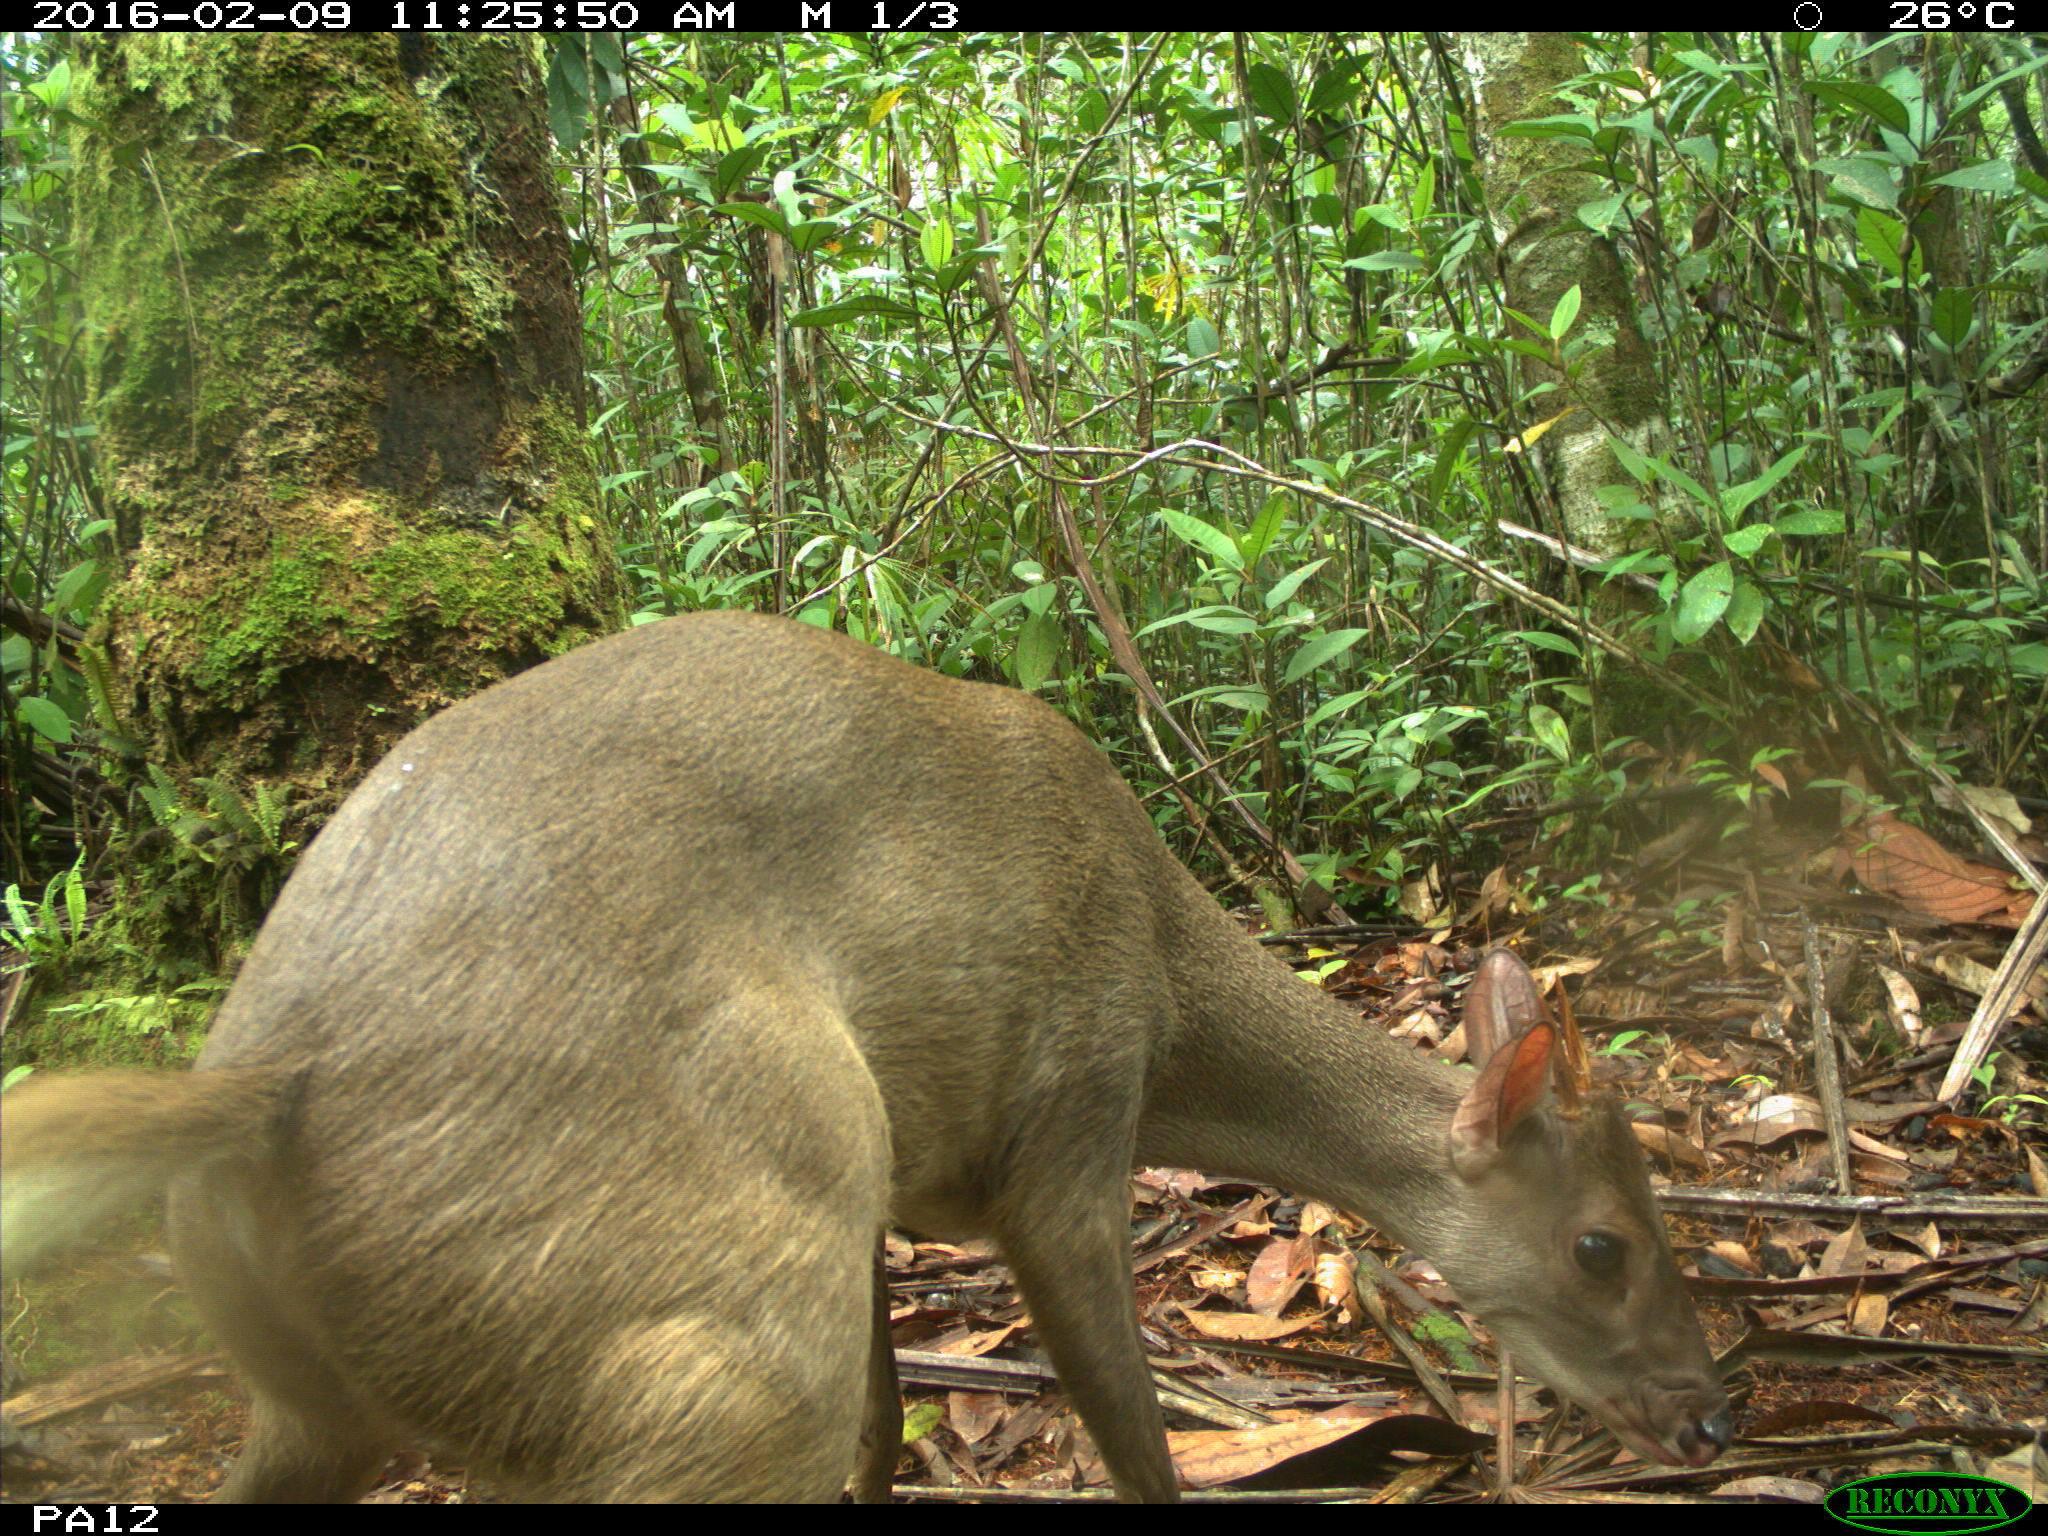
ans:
(559, 1108)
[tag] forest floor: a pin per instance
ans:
(1897, 1326)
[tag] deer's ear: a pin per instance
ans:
(1501, 1003)
(1511, 1086)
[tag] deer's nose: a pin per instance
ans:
(1716, 1430)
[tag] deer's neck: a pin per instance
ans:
(1266, 1078)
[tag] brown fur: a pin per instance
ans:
(557, 1111)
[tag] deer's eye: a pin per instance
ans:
(1599, 1253)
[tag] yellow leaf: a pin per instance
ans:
(884, 104)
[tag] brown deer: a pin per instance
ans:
(557, 1111)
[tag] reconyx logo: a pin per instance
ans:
(1909, 1503)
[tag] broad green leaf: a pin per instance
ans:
(1210, 540)
(1450, 447)
(71, 584)
(1747, 541)
(935, 240)
(1736, 499)
(1202, 338)
(1386, 261)
(47, 720)
(568, 91)
(1038, 646)
(1544, 640)
(1567, 311)
(1874, 101)
(1329, 707)
(1702, 601)
(1218, 618)
(1319, 650)
(1953, 311)
(1985, 176)
(1810, 521)
(758, 213)
(1881, 237)
(1272, 92)
(1259, 536)
(1639, 469)
(1745, 612)
(1861, 179)
(844, 310)
(1573, 125)
(1289, 584)
(1603, 213)
(1550, 731)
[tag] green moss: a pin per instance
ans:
(273, 619)
(108, 1304)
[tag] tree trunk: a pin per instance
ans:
(334, 350)
(1535, 187)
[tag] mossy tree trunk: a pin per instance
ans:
(334, 350)
(1535, 187)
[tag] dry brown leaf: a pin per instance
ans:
(1867, 1314)
(973, 1414)
(1337, 1285)
(1668, 1144)
(1244, 1327)
(1315, 1216)
(1902, 1004)
(1281, 1269)
(1206, 1458)
(978, 1344)
(1845, 1253)
(1774, 1117)
(1897, 859)
(1733, 1253)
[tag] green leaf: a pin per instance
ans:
(1218, 618)
(1985, 176)
(1862, 179)
(1747, 541)
(1745, 612)
(1319, 650)
(1038, 646)
(1572, 125)
(1550, 731)
(844, 310)
(758, 213)
(45, 719)
(1289, 584)
(935, 240)
(1702, 601)
(1208, 539)
(1259, 536)
(568, 91)
(1810, 521)
(1881, 237)
(1271, 90)
(1544, 640)
(1450, 447)
(1953, 311)
(1202, 338)
(70, 584)
(1386, 261)
(1639, 469)
(1736, 499)
(1329, 707)
(1567, 311)
(1873, 101)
